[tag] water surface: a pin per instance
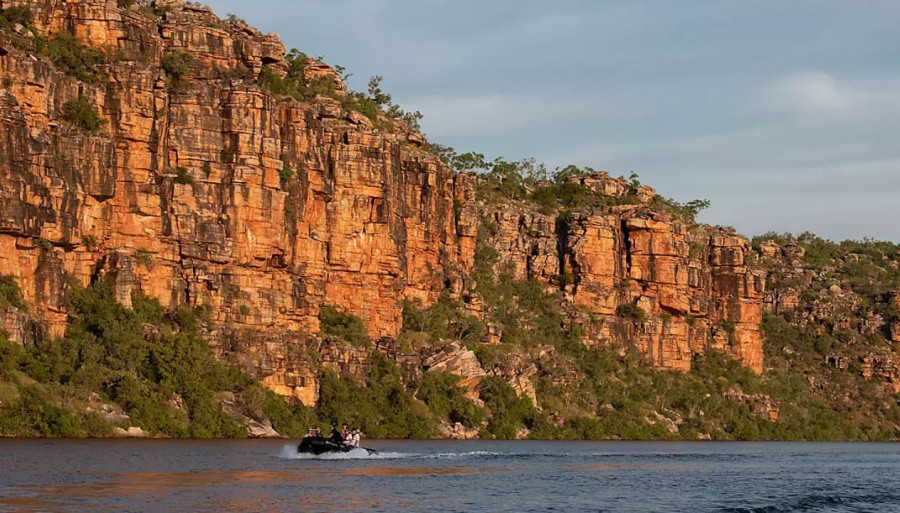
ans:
(268, 476)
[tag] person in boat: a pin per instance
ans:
(353, 438)
(311, 433)
(336, 435)
(345, 432)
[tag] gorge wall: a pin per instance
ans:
(183, 196)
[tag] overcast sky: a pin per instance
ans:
(784, 114)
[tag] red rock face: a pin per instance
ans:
(367, 219)
(696, 287)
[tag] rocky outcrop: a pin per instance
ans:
(185, 196)
(695, 289)
(759, 404)
(456, 431)
(19, 326)
(460, 362)
(884, 366)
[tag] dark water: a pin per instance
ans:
(267, 476)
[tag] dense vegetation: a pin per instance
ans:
(152, 364)
(155, 367)
(347, 327)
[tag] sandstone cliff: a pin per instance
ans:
(203, 188)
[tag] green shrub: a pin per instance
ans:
(32, 414)
(234, 19)
(286, 172)
(446, 319)
(11, 355)
(375, 105)
(509, 413)
(442, 394)
(295, 84)
(95, 426)
(10, 293)
(83, 114)
(632, 312)
(144, 258)
(176, 65)
(288, 420)
(151, 10)
(17, 14)
(728, 326)
(89, 242)
(183, 176)
(71, 56)
(345, 326)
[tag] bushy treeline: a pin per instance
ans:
(868, 267)
(375, 103)
(556, 191)
(153, 364)
(156, 368)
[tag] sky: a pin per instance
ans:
(784, 114)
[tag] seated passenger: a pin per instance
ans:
(353, 439)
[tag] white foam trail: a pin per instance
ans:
(460, 455)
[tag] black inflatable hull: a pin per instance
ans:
(315, 445)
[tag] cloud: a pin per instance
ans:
(453, 115)
(783, 114)
(479, 115)
(818, 92)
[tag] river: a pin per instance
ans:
(447, 476)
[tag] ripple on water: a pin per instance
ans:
(255, 475)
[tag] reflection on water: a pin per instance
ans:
(266, 476)
(207, 477)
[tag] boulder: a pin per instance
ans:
(132, 432)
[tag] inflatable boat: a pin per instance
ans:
(321, 445)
